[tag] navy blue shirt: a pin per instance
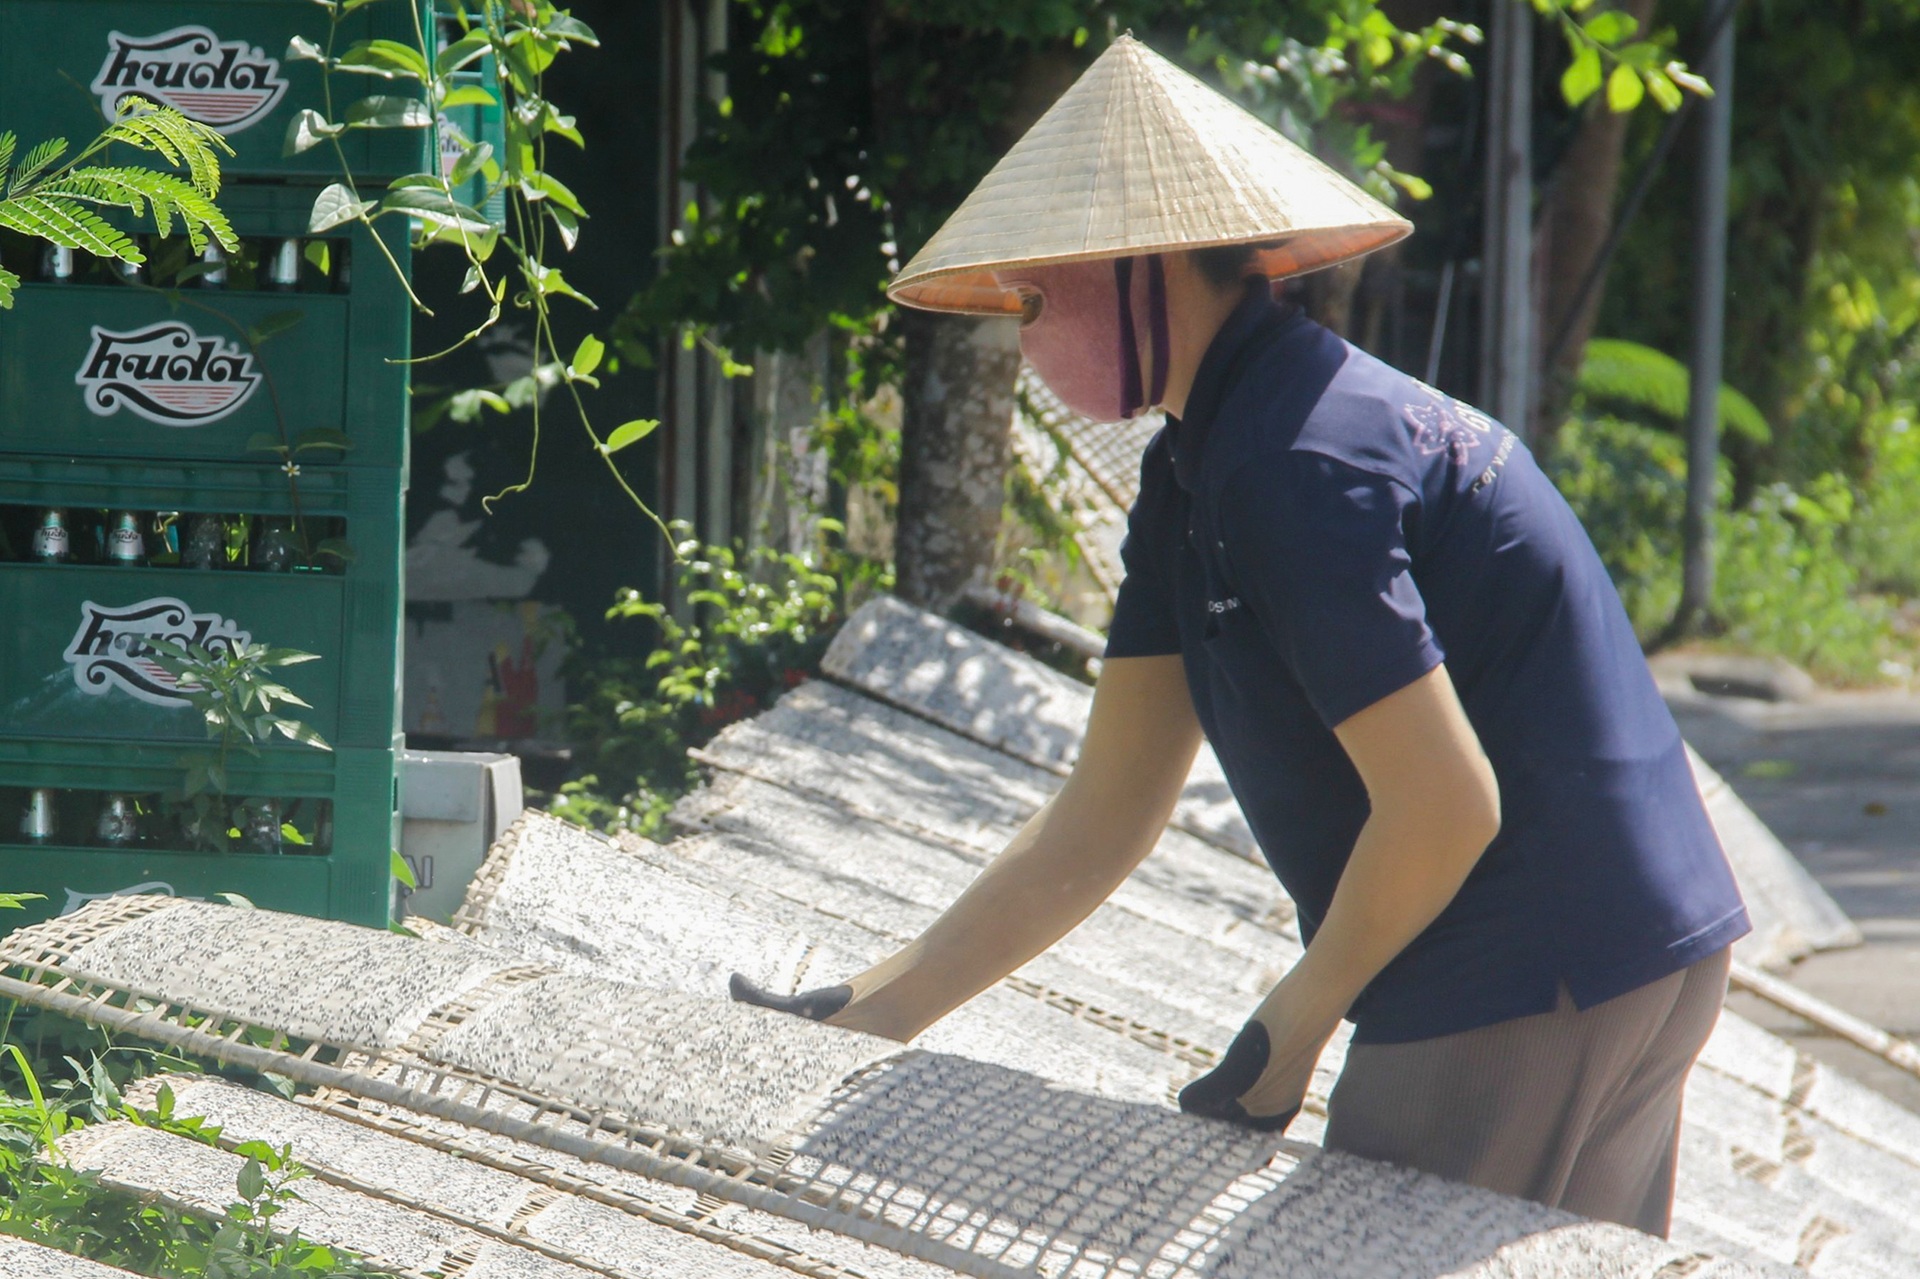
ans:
(1319, 531)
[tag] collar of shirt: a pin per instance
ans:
(1257, 315)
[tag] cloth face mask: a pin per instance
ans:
(1082, 342)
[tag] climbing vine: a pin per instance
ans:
(513, 251)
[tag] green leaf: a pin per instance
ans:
(388, 58)
(265, 442)
(1611, 26)
(1624, 89)
(1642, 55)
(301, 49)
(322, 437)
(544, 186)
(388, 111)
(549, 282)
(1665, 92)
(565, 27)
(468, 47)
(294, 730)
(436, 208)
(465, 406)
(1415, 186)
(273, 325)
(468, 95)
(307, 130)
(402, 869)
(8, 283)
(338, 549)
(471, 161)
(320, 254)
(564, 222)
(588, 356)
(1678, 73)
(629, 433)
(1582, 78)
(335, 206)
(252, 1181)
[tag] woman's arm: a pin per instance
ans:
(1067, 859)
(1435, 808)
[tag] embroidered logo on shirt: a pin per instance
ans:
(1227, 605)
(1500, 456)
(1442, 424)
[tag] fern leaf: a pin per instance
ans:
(182, 142)
(7, 144)
(1635, 375)
(1743, 417)
(1640, 377)
(136, 189)
(8, 283)
(99, 186)
(66, 223)
(36, 163)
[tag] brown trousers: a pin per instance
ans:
(1575, 1109)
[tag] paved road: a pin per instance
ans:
(1838, 779)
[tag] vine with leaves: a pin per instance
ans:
(542, 217)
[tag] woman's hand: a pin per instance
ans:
(1263, 1078)
(1064, 862)
(819, 1004)
(843, 1005)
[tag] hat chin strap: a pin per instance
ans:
(1132, 400)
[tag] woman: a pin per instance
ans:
(1403, 648)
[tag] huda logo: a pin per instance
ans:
(227, 84)
(167, 374)
(113, 647)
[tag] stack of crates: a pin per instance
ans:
(137, 405)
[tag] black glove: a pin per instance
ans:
(815, 1005)
(1217, 1093)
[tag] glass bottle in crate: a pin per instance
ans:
(57, 264)
(204, 544)
(126, 545)
(277, 549)
(118, 825)
(213, 264)
(52, 539)
(260, 826)
(40, 819)
(281, 263)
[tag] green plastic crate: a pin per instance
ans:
(369, 500)
(70, 661)
(109, 370)
(351, 882)
(224, 62)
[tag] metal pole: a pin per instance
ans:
(1507, 261)
(1709, 320)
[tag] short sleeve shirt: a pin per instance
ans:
(1318, 532)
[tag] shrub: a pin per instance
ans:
(1784, 583)
(761, 621)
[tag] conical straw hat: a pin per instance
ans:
(1139, 157)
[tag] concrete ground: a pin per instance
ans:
(1837, 777)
